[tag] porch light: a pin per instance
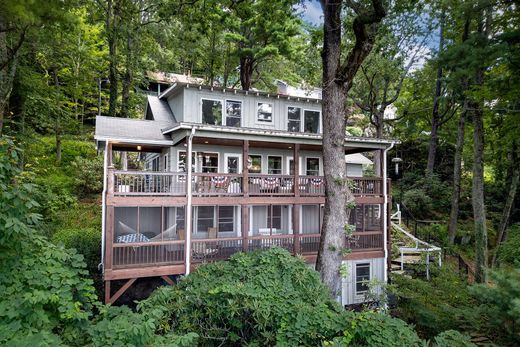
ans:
(138, 148)
(396, 161)
(206, 141)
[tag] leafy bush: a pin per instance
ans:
(88, 175)
(418, 202)
(500, 306)
(509, 251)
(452, 338)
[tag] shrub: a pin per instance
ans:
(88, 175)
(452, 338)
(509, 251)
(417, 202)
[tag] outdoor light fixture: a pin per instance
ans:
(138, 148)
(396, 161)
(206, 141)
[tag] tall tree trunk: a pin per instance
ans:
(432, 150)
(511, 195)
(337, 81)
(57, 122)
(127, 79)
(111, 32)
(457, 169)
(8, 61)
(246, 72)
(379, 125)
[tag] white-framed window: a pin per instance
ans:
(274, 217)
(254, 164)
(311, 121)
(226, 219)
(211, 110)
(154, 164)
(166, 162)
(264, 112)
(205, 218)
(274, 165)
(294, 118)
(312, 166)
(233, 113)
(233, 163)
(182, 164)
(362, 277)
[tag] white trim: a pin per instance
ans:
(126, 140)
(272, 113)
(320, 127)
(370, 276)
(236, 155)
(201, 120)
(263, 167)
(320, 169)
(208, 152)
(287, 118)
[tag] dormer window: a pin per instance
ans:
(212, 112)
(264, 112)
(233, 113)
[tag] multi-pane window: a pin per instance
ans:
(312, 166)
(233, 113)
(362, 277)
(182, 163)
(294, 115)
(264, 112)
(225, 218)
(208, 162)
(205, 218)
(311, 122)
(291, 166)
(274, 216)
(274, 165)
(179, 217)
(212, 112)
(233, 164)
(255, 164)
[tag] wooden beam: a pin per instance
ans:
(245, 227)
(296, 227)
(139, 272)
(168, 280)
(245, 169)
(296, 164)
(107, 292)
(109, 237)
(121, 290)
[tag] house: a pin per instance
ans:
(217, 171)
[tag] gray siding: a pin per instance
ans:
(377, 268)
(355, 170)
(177, 105)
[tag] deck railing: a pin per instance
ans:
(137, 254)
(223, 184)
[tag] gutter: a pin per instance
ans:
(103, 209)
(187, 248)
(385, 212)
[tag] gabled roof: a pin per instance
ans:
(132, 130)
(159, 110)
(357, 158)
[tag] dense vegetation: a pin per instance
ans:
(447, 72)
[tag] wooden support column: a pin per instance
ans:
(245, 190)
(296, 227)
(107, 292)
(109, 238)
(296, 163)
(389, 225)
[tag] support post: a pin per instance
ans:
(189, 192)
(296, 228)
(296, 163)
(109, 226)
(245, 169)
(245, 227)
(107, 292)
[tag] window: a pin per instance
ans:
(274, 216)
(362, 277)
(313, 167)
(264, 112)
(205, 218)
(274, 165)
(154, 164)
(166, 163)
(233, 113)
(311, 122)
(226, 218)
(182, 164)
(291, 166)
(179, 217)
(233, 164)
(255, 164)
(212, 112)
(208, 162)
(294, 115)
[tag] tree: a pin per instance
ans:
(338, 77)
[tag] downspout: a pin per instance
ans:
(187, 251)
(385, 213)
(103, 208)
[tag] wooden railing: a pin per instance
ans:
(148, 183)
(365, 241)
(137, 254)
(221, 184)
(207, 250)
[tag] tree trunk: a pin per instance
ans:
(506, 213)
(337, 81)
(111, 32)
(457, 169)
(432, 150)
(57, 122)
(246, 72)
(379, 122)
(7, 73)
(127, 79)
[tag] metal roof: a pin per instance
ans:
(131, 130)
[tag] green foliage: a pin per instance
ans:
(509, 251)
(417, 202)
(500, 306)
(89, 175)
(452, 338)
(425, 195)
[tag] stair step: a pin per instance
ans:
(408, 259)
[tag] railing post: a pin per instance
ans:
(296, 169)
(245, 169)
(110, 180)
(245, 227)
(296, 228)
